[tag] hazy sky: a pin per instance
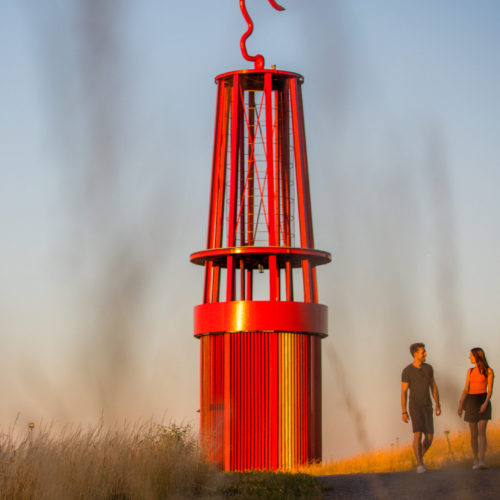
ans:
(106, 128)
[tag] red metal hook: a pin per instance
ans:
(259, 58)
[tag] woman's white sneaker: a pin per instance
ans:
(421, 469)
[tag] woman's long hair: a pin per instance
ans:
(481, 362)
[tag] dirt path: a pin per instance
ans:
(444, 484)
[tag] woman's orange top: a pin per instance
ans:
(477, 382)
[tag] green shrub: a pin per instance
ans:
(270, 485)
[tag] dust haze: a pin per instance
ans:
(133, 184)
(387, 215)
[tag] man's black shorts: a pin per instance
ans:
(421, 419)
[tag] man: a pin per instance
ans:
(419, 378)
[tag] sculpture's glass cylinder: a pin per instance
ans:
(260, 323)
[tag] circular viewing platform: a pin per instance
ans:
(259, 256)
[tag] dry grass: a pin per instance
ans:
(133, 462)
(157, 461)
(450, 449)
(143, 462)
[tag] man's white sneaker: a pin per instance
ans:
(482, 465)
(421, 469)
(475, 465)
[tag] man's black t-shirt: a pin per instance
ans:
(419, 381)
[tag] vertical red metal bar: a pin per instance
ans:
(220, 170)
(268, 97)
(285, 163)
(278, 283)
(273, 279)
(233, 186)
(246, 395)
(262, 395)
(293, 402)
(203, 409)
(264, 369)
(303, 197)
(277, 133)
(268, 89)
(232, 403)
(248, 408)
(249, 283)
(241, 167)
(242, 410)
(250, 185)
(227, 401)
(214, 362)
(285, 183)
(207, 391)
(305, 397)
(230, 278)
(207, 288)
(241, 200)
(210, 396)
(317, 399)
(315, 286)
(207, 383)
(273, 398)
(253, 391)
(219, 180)
(215, 284)
(298, 394)
(256, 396)
(305, 339)
(236, 441)
(235, 136)
(242, 279)
(288, 281)
(251, 166)
(236, 450)
(216, 152)
(298, 378)
(308, 284)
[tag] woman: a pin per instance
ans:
(476, 402)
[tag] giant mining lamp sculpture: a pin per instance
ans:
(260, 325)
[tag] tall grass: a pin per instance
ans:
(149, 462)
(143, 462)
(448, 450)
(153, 461)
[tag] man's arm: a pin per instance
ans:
(404, 391)
(435, 395)
(464, 394)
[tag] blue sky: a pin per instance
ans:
(105, 149)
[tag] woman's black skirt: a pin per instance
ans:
(472, 406)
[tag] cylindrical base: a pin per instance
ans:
(261, 399)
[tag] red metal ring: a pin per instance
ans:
(255, 316)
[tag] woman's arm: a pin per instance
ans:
(491, 377)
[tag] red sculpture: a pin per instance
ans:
(260, 324)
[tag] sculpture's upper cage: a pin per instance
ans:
(260, 187)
